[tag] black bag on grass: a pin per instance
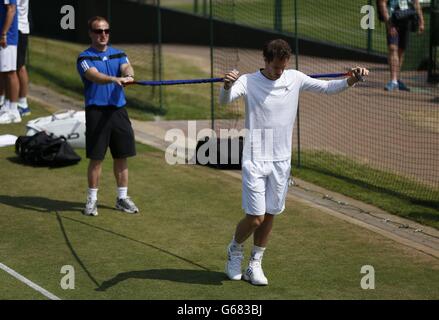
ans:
(42, 149)
(232, 159)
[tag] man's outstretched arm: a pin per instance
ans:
(334, 86)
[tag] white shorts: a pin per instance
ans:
(265, 186)
(8, 59)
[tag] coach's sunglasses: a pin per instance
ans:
(101, 31)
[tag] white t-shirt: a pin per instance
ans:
(22, 12)
(270, 110)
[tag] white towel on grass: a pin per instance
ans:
(7, 140)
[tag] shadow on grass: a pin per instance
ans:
(142, 243)
(433, 204)
(40, 204)
(72, 250)
(176, 275)
(20, 161)
(420, 216)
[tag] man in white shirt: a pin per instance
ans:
(271, 96)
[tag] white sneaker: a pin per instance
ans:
(255, 274)
(233, 265)
(4, 107)
(127, 205)
(91, 208)
(10, 117)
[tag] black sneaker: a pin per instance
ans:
(402, 86)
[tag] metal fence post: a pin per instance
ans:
(278, 15)
(109, 11)
(296, 52)
(212, 102)
(433, 69)
(159, 41)
(369, 33)
(204, 8)
(195, 6)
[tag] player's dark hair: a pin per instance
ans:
(276, 49)
(95, 18)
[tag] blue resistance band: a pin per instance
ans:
(211, 80)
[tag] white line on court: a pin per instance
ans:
(28, 282)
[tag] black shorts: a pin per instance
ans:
(402, 38)
(21, 49)
(108, 126)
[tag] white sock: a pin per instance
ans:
(395, 81)
(13, 106)
(22, 102)
(92, 193)
(257, 253)
(122, 192)
(2, 99)
(235, 245)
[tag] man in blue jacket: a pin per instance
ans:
(104, 71)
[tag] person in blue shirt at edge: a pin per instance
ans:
(104, 71)
(9, 112)
(397, 36)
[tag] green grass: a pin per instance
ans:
(175, 249)
(390, 192)
(52, 63)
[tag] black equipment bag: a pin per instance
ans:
(220, 159)
(42, 149)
